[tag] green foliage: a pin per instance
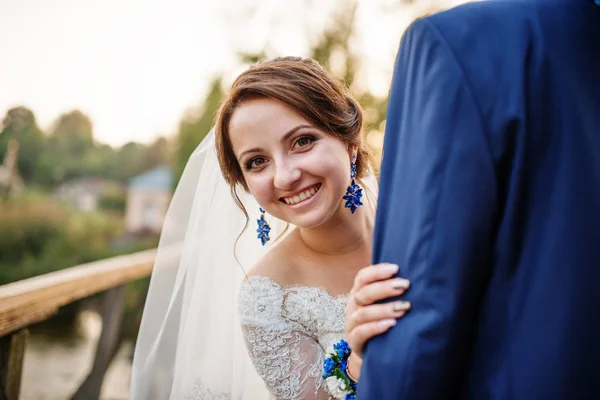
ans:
(114, 201)
(158, 153)
(193, 128)
(20, 124)
(335, 45)
(335, 40)
(129, 162)
(27, 228)
(69, 151)
(73, 133)
(38, 236)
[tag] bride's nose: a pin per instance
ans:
(286, 175)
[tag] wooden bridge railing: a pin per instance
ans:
(34, 300)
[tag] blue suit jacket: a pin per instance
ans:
(490, 203)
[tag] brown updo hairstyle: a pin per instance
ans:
(309, 90)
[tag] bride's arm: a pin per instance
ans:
(287, 358)
(289, 362)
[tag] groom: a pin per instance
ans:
(490, 204)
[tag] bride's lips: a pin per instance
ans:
(302, 196)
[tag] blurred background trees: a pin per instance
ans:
(68, 153)
(20, 124)
(195, 125)
(39, 232)
(54, 160)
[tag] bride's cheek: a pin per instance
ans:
(318, 163)
(261, 188)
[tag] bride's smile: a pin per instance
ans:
(301, 197)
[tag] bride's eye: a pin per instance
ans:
(304, 141)
(256, 162)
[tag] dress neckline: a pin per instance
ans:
(285, 288)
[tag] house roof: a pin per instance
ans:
(157, 178)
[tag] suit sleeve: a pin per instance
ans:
(435, 219)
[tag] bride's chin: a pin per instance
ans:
(311, 221)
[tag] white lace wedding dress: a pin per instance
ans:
(288, 331)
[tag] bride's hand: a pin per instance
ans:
(364, 319)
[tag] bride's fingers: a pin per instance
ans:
(376, 312)
(374, 273)
(380, 290)
(358, 336)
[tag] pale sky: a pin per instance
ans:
(135, 66)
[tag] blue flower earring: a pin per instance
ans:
(263, 228)
(354, 191)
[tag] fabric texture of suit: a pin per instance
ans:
(490, 204)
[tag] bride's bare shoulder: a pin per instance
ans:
(278, 264)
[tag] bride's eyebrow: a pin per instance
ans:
(283, 139)
(252, 150)
(294, 130)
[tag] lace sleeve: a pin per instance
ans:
(286, 356)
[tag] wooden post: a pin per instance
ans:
(12, 352)
(112, 313)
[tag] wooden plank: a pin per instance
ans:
(33, 300)
(112, 314)
(12, 352)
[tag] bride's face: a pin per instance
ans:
(295, 171)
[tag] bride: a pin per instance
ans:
(235, 312)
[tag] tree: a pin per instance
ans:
(158, 153)
(73, 132)
(334, 51)
(335, 41)
(70, 151)
(129, 160)
(20, 124)
(194, 126)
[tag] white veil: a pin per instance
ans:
(190, 344)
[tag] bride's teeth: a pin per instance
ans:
(302, 196)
